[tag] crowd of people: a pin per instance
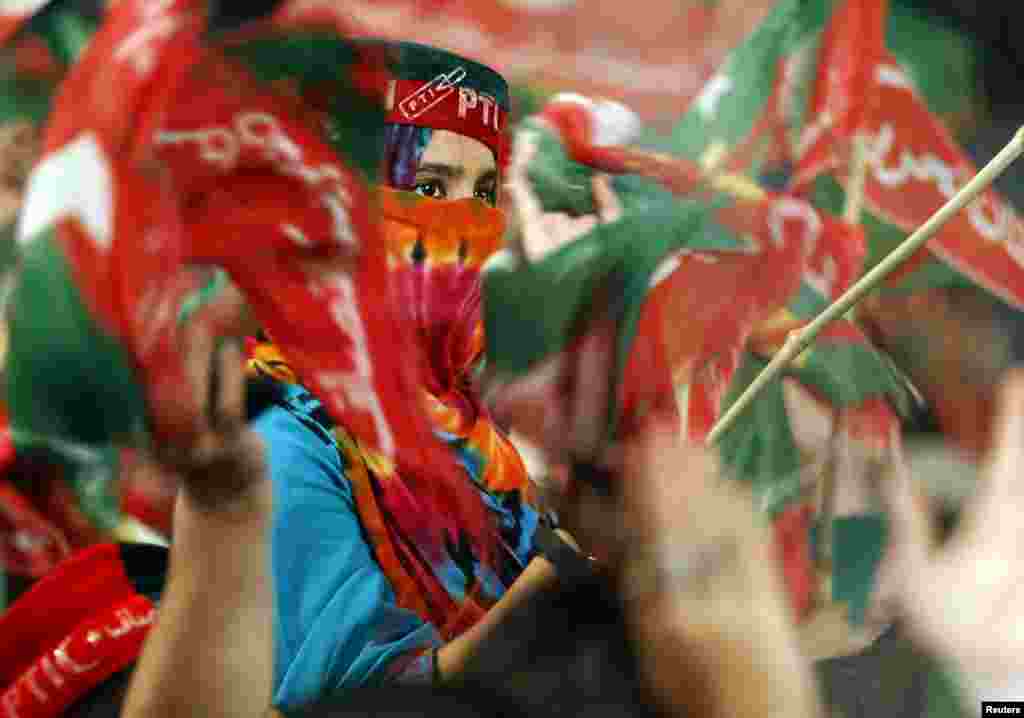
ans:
(311, 572)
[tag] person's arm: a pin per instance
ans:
(210, 650)
(211, 646)
(455, 656)
(703, 597)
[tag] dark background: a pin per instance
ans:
(996, 29)
(993, 24)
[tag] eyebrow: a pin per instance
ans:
(446, 171)
(454, 171)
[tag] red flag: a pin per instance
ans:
(852, 47)
(915, 167)
(179, 158)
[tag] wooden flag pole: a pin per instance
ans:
(800, 340)
(855, 183)
(856, 180)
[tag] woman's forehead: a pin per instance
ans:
(458, 152)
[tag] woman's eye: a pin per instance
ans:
(430, 188)
(487, 194)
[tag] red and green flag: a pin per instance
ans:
(914, 164)
(813, 73)
(850, 54)
(748, 119)
(704, 265)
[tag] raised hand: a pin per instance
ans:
(219, 459)
(965, 600)
(211, 650)
(536, 233)
(702, 589)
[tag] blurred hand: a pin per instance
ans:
(537, 233)
(561, 407)
(222, 458)
(184, 399)
(211, 652)
(698, 530)
(706, 597)
(965, 600)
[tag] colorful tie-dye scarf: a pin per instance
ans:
(436, 249)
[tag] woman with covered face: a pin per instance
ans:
(374, 578)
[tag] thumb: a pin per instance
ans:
(524, 232)
(608, 206)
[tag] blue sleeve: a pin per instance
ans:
(335, 619)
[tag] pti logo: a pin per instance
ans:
(431, 94)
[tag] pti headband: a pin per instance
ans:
(443, 91)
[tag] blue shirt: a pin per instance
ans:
(336, 623)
